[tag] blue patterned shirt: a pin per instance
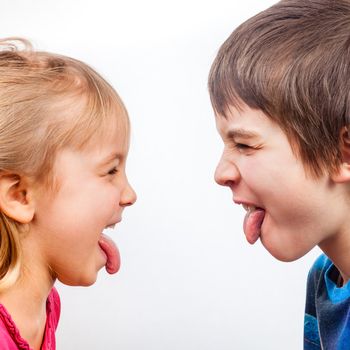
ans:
(327, 312)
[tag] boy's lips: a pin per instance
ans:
(253, 221)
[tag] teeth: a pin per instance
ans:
(110, 226)
(249, 208)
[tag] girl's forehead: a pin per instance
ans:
(91, 125)
(99, 151)
(115, 138)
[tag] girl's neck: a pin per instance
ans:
(26, 303)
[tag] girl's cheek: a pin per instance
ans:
(113, 198)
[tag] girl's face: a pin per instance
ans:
(287, 210)
(93, 191)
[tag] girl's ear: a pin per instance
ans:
(15, 198)
(343, 175)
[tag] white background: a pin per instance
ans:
(188, 280)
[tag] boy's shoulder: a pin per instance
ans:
(317, 272)
(325, 280)
(327, 309)
(321, 263)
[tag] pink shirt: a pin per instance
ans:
(10, 339)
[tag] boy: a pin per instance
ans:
(280, 89)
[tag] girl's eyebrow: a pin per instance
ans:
(241, 133)
(111, 158)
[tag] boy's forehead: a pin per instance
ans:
(245, 123)
(234, 118)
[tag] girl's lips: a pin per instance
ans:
(112, 253)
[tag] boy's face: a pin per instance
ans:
(295, 212)
(93, 191)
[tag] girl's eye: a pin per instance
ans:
(113, 171)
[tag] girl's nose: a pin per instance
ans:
(128, 196)
(226, 173)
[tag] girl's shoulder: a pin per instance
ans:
(10, 338)
(53, 305)
(53, 311)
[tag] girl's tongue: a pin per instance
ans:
(112, 253)
(252, 224)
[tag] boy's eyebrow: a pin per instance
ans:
(241, 133)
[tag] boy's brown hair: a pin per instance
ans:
(292, 61)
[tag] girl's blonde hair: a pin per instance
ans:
(47, 102)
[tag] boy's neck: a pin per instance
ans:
(337, 248)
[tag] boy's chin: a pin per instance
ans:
(283, 252)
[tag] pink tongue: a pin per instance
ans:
(252, 224)
(112, 253)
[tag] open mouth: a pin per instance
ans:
(252, 222)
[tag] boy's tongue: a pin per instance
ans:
(252, 224)
(112, 253)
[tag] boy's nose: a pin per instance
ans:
(128, 196)
(226, 173)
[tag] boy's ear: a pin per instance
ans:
(15, 198)
(343, 175)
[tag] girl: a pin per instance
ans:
(64, 138)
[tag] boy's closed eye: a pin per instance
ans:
(242, 140)
(241, 146)
(245, 148)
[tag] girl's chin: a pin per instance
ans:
(80, 278)
(79, 282)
